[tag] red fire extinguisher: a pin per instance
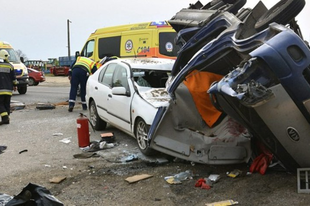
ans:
(83, 131)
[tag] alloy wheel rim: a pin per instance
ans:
(141, 135)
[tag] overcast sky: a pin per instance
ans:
(39, 27)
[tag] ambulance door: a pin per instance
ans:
(136, 44)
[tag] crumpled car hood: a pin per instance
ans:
(155, 96)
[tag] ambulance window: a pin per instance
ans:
(88, 50)
(109, 46)
(167, 46)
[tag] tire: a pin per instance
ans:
(95, 120)
(36, 84)
(22, 89)
(282, 13)
(31, 82)
(141, 131)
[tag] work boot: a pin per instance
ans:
(70, 109)
(5, 120)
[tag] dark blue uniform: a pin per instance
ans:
(79, 75)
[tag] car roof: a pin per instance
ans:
(149, 63)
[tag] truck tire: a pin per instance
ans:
(282, 13)
(22, 89)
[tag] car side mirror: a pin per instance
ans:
(119, 91)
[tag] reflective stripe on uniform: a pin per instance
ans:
(6, 92)
(71, 100)
(4, 114)
(5, 69)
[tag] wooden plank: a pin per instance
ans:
(137, 178)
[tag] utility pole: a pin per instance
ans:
(68, 30)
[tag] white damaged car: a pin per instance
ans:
(126, 93)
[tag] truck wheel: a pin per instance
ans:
(31, 82)
(94, 118)
(282, 13)
(141, 131)
(22, 89)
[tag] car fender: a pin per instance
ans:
(146, 111)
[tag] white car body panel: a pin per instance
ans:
(122, 110)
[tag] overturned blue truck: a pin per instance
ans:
(241, 78)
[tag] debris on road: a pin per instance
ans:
(98, 145)
(234, 173)
(65, 140)
(4, 199)
(85, 155)
(214, 177)
(303, 176)
(62, 103)
(137, 178)
(2, 148)
(108, 137)
(44, 106)
(58, 134)
(223, 203)
(202, 183)
(34, 195)
(178, 178)
(16, 105)
(25, 150)
(130, 158)
(57, 180)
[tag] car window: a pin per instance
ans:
(102, 71)
(108, 73)
(120, 77)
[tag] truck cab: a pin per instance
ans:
(19, 67)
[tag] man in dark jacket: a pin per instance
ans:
(8, 83)
(79, 72)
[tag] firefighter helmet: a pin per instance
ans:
(4, 54)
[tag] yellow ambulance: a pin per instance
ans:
(20, 69)
(149, 39)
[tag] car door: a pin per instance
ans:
(119, 105)
(103, 89)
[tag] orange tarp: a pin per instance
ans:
(198, 83)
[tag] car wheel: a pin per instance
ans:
(282, 13)
(95, 120)
(22, 89)
(141, 131)
(36, 83)
(31, 82)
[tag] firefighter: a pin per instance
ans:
(8, 83)
(79, 72)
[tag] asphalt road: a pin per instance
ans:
(53, 90)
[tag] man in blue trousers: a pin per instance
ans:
(79, 72)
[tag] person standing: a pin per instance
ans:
(8, 83)
(79, 72)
